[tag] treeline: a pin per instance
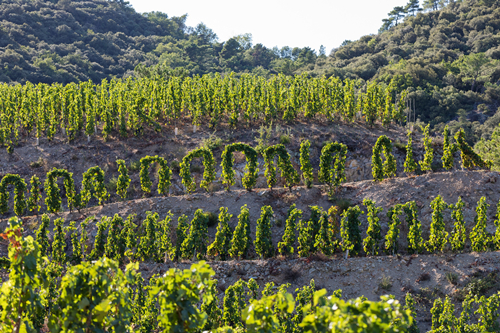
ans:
(447, 56)
(331, 172)
(80, 40)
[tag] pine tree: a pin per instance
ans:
(438, 236)
(459, 233)
(479, 237)
(263, 238)
(415, 240)
(220, 246)
(349, 230)
(373, 234)
(410, 165)
(239, 242)
(426, 164)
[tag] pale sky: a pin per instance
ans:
(281, 22)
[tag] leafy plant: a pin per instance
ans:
(241, 240)
(459, 233)
(164, 174)
(287, 171)
(220, 246)
(392, 236)
(426, 163)
(19, 189)
(332, 176)
(263, 238)
(305, 163)
(123, 182)
(479, 237)
(195, 244)
(410, 165)
(373, 233)
(286, 246)
(388, 168)
(250, 177)
(208, 173)
(349, 230)
(35, 197)
(415, 240)
(438, 235)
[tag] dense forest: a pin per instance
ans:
(445, 54)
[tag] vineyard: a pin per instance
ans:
(132, 107)
(255, 231)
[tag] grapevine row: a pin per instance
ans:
(324, 232)
(129, 106)
(99, 296)
(331, 172)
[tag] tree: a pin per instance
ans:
(412, 6)
(397, 14)
(475, 66)
(431, 4)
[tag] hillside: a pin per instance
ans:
(432, 54)
(447, 58)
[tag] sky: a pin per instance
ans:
(281, 23)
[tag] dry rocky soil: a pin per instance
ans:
(427, 276)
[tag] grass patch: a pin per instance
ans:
(38, 163)
(385, 283)
(212, 142)
(112, 185)
(451, 277)
(134, 166)
(479, 284)
(212, 219)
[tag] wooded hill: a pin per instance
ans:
(446, 56)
